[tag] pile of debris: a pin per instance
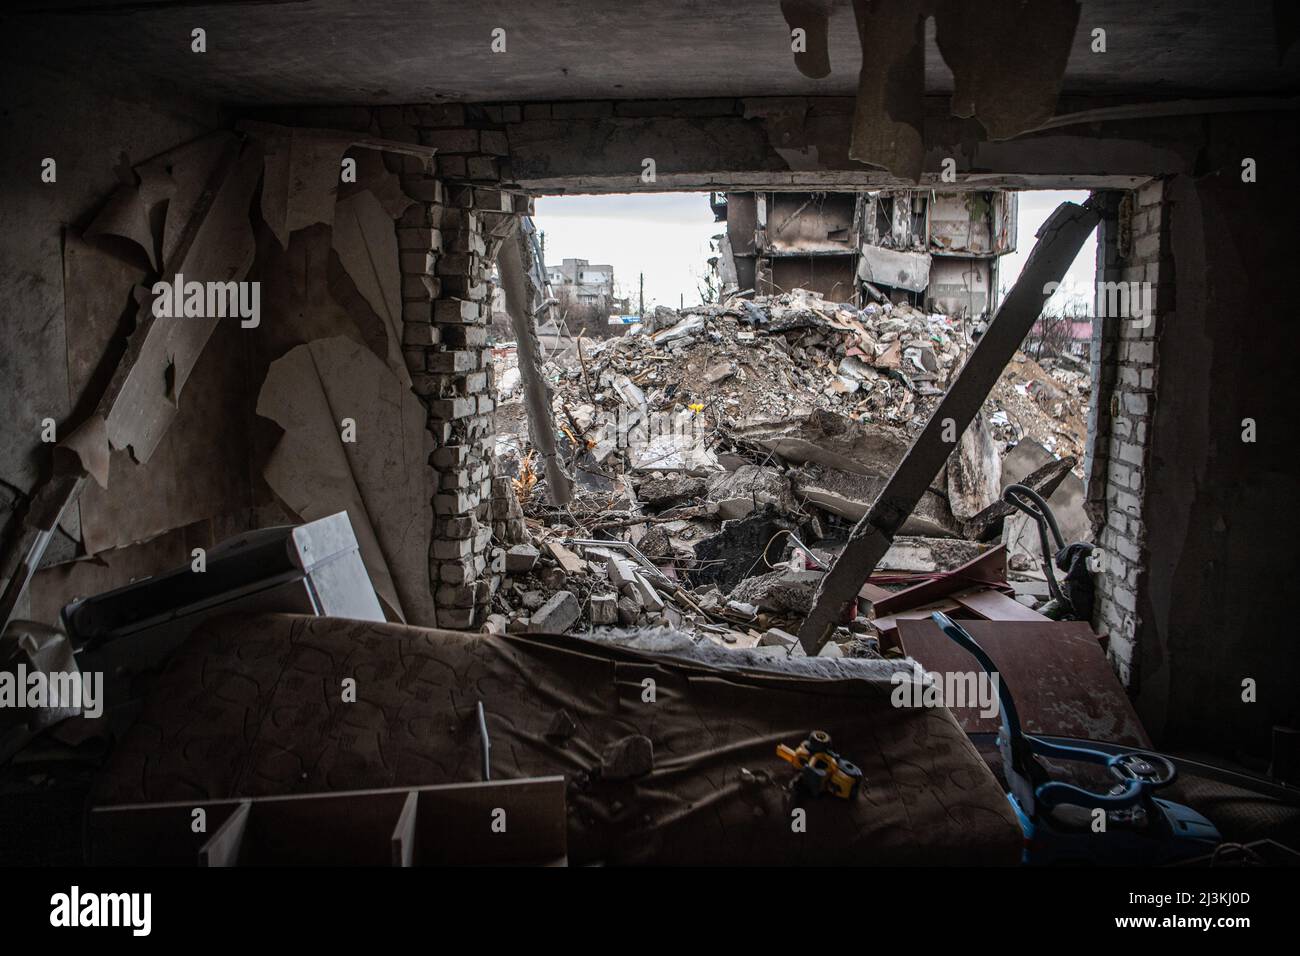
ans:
(721, 456)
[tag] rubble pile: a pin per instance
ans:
(721, 455)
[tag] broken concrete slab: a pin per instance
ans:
(1019, 531)
(660, 492)
(758, 484)
(974, 471)
(851, 496)
(829, 439)
(557, 615)
(784, 591)
(924, 554)
(987, 525)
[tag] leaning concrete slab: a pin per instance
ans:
(1059, 242)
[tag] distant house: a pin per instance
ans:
(587, 283)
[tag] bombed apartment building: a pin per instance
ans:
(307, 561)
(920, 246)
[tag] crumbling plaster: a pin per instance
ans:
(91, 130)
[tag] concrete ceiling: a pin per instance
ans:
(402, 51)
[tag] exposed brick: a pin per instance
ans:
(482, 167)
(464, 336)
(452, 167)
(422, 188)
(451, 361)
(456, 310)
(447, 409)
(440, 114)
(451, 140)
(454, 504)
(454, 595)
(582, 109)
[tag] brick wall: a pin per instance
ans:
(448, 241)
(1133, 248)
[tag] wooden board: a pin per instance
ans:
(1056, 671)
(995, 606)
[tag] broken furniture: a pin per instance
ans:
(503, 823)
(314, 568)
(667, 749)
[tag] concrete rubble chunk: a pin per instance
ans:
(621, 571)
(521, 558)
(661, 492)
(650, 599)
(629, 610)
(557, 615)
(775, 636)
(604, 610)
(785, 591)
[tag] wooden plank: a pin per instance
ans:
(996, 606)
(157, 834)
(874, 592)
(521, 821)
(226, 846)
(404, 832)
(888, 626)
(505, 822)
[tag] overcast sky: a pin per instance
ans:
(666, 237)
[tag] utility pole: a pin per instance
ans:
(642, 296)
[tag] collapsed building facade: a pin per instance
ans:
(360, 379)
(938, 249)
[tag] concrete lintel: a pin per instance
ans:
(800, 143)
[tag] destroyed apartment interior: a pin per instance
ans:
(357, 509)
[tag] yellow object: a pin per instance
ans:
(822, 770)
(696, 407)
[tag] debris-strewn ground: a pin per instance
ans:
(721, 454)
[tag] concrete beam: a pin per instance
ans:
(1059, 242)
(541, 428)
(803, 142)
